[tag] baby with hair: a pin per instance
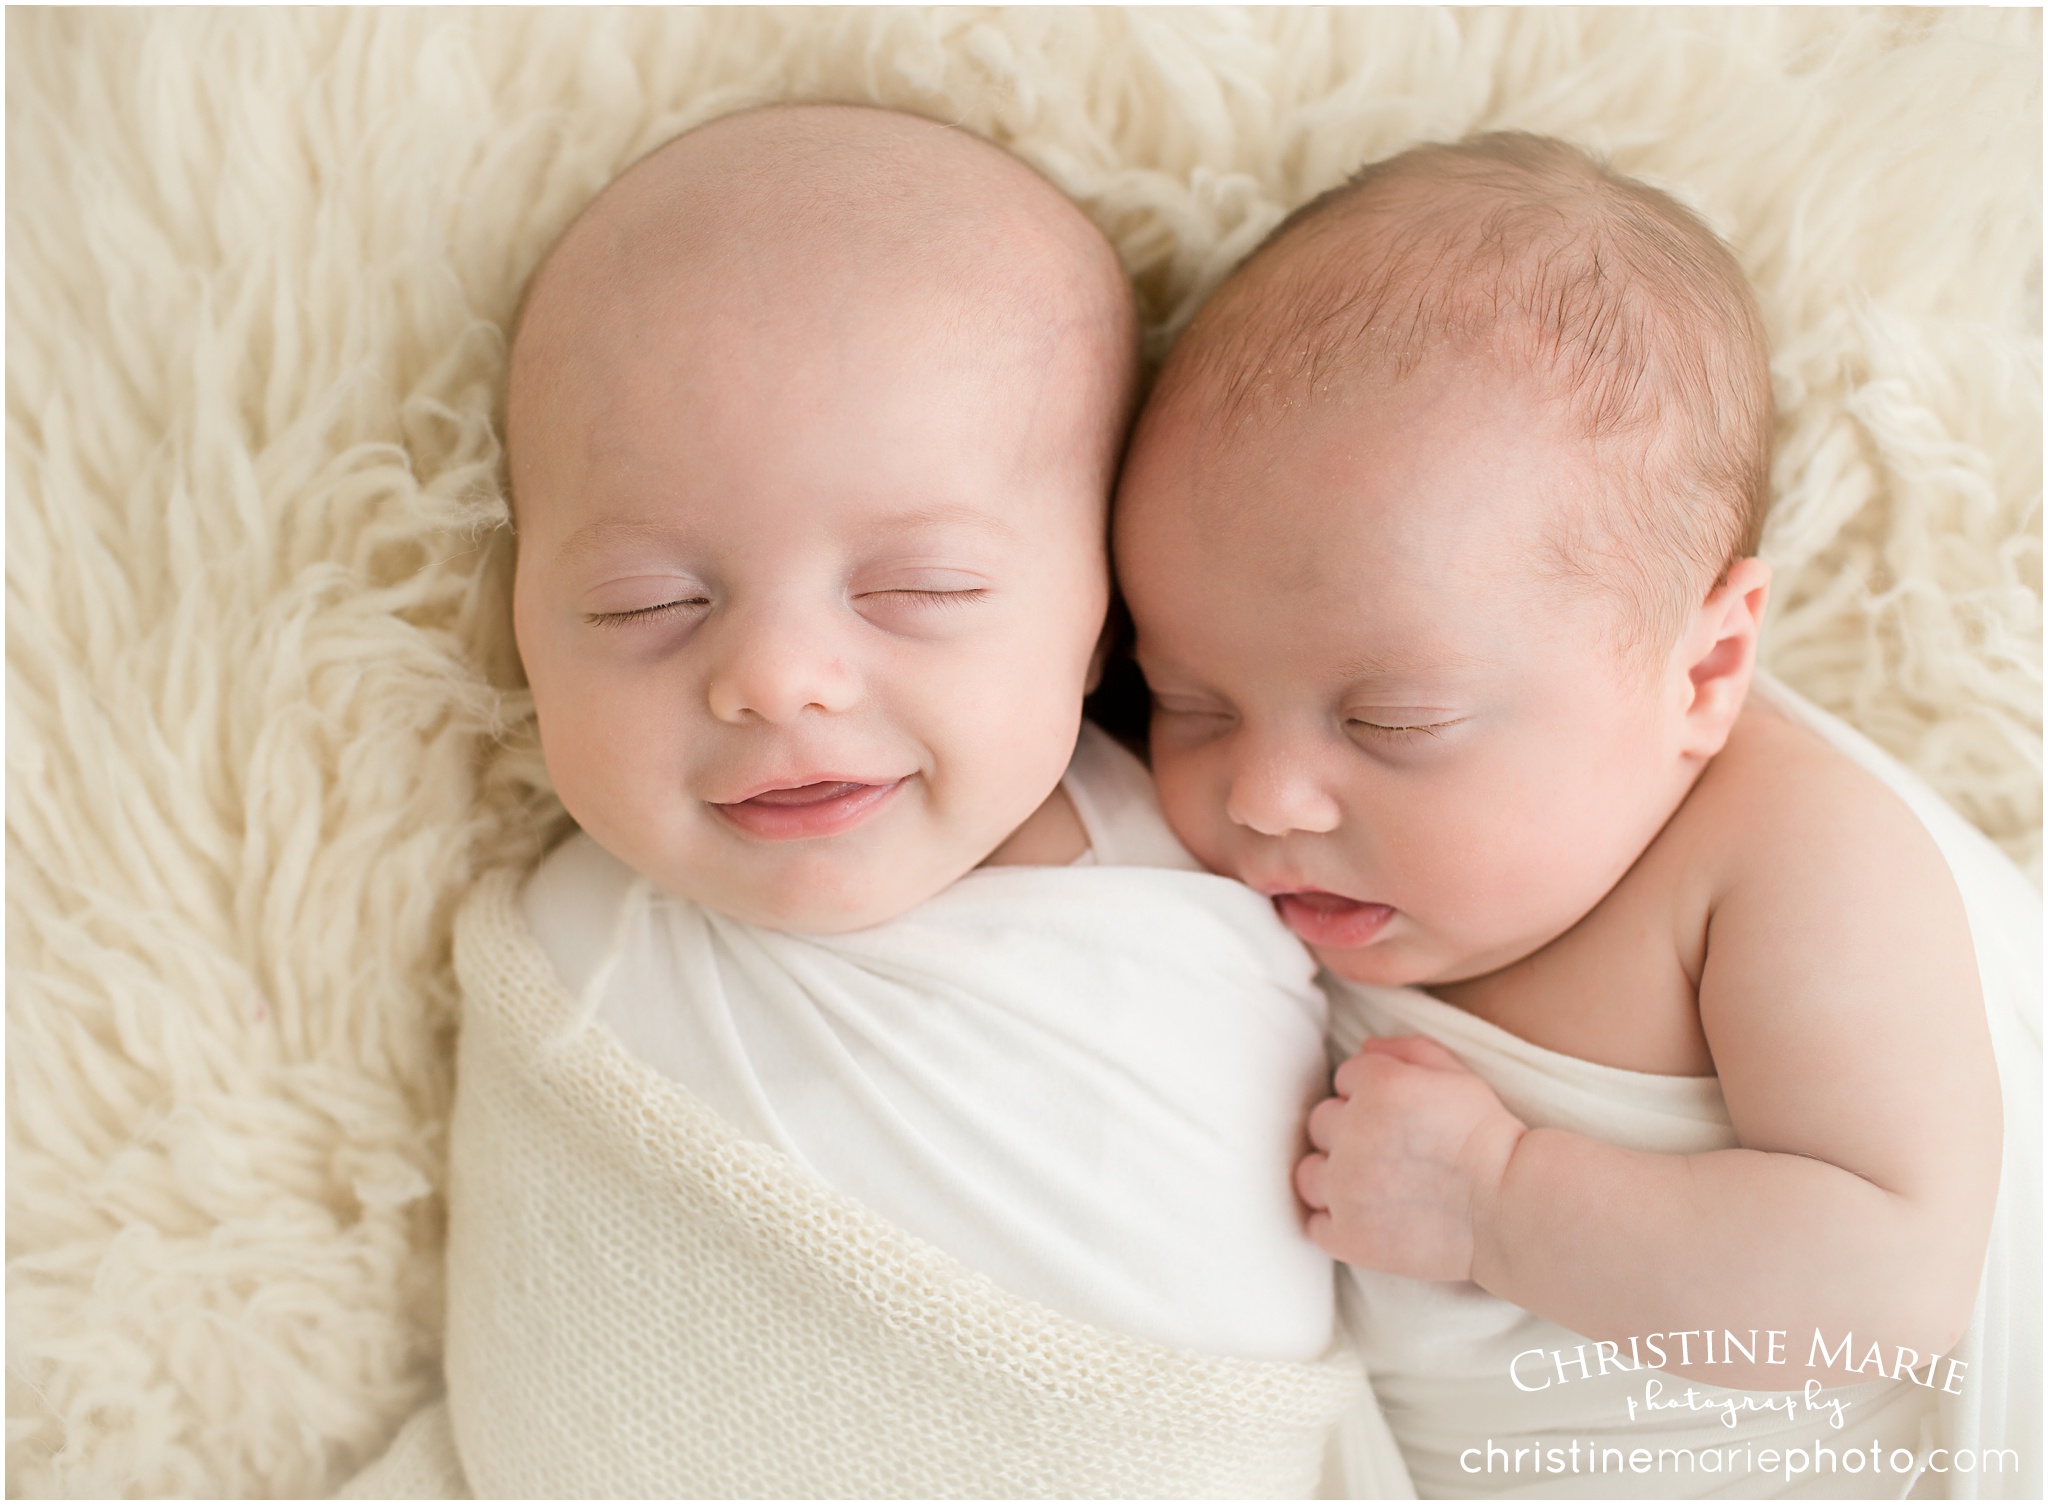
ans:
(892, 961)
(1439, 538)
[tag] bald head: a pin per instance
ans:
(836, 226)
(1523, 255)
(812, 425)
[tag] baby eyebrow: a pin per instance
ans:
(605, 532)
(945, 515)
(1404, 666)
(593, 537)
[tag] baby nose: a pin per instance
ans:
(777, 666)
(1273, 793)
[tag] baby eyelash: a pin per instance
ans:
(948, 598)
(1430, 728)
(617, 618)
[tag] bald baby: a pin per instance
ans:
(812, 420)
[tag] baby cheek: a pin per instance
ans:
(1192, 791)
(594, 760)
(1487, 870)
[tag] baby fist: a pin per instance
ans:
(1409, 1155)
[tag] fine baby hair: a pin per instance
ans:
(1609, 295)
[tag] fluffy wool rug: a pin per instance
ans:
(265, 719)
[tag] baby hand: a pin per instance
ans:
(1409, 1158)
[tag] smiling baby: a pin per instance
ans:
(813, 420)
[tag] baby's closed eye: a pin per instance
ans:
(1177, 703)
(927, 595)
(1188, 721)
(645, 598)
(910, 599)
(1400, 723)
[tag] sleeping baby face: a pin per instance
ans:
(1434, 533)
(812, 425)
(1370, 702)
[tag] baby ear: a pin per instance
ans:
(1718, 655)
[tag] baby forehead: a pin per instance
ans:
(1464, 446)
(828, 211)
(1461, 483)
(885, 522)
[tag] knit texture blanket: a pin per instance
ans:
(1087, 1083)
(265, 725)
(642, 1303)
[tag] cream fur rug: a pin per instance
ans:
(265, 721)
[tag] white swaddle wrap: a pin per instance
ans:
(1439, 1354)
(643, 1300)
(1086, 1083)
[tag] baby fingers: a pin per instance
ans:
(1415, 1050)
(1309, 1183)
(1324, 1120)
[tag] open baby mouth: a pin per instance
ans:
(1324, 919)
(824, 808)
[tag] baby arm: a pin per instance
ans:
(1840, 999)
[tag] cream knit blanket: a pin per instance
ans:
(644, 1303)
